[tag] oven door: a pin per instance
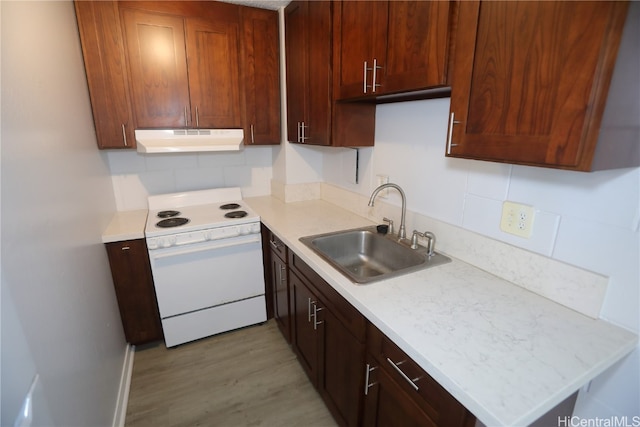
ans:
(203, 275)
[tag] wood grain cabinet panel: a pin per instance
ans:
(104, 59)
(313, 116)
(261, 76)
(399, 392)
(158, 68)
(390, 47)
(133, 282)
(530, 80)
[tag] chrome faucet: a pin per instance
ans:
(402, 233)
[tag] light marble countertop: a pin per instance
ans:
(125, 225)
(507, 354)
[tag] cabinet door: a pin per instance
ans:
(296, 51)
(341, 378)
(158, 68)
(359, 41)
(261, 76)
(388, 404)
(281, 295)
(104, 59)
(308, 49)
(305, 340)
(214, 79)
(136, 296)
(530, 80)
(417, 46)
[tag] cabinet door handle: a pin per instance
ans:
(315, 316)
(283, 278)
(309, 310)
(125, 248)
(124, 135)
(253, 140)
(374, 85)
(303, 138)
(411, 382)
(368, 385)
(364, 79)
(450, 143)
(274, 244)
(197, 118)
(186, 117)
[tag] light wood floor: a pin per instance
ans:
(248, 377)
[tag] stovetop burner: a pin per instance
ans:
(236, 214)
(167, 214)
(172, 222)
(230, 206)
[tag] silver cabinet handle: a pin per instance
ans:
(125, 248)
(124, 135)
(364, 79)
(303, 137)
(186, 117)
(374, 85)
(274, 244)
(395, 365)
(253, 140)
(309, 310)
(368, 385)
(283, 277)
(450, 144)
(298, 137)
(315, 316)
(197, 118)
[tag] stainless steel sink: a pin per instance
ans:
(364, 256)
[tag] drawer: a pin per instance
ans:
(277, 246)
(434, 400)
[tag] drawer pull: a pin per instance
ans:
(274, 244)
(395, 365)
(368, 385)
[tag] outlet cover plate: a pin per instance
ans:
(517, 219)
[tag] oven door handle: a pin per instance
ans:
(190, 249)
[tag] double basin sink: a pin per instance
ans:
(364, 255)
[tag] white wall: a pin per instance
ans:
(59, 314)
(590, 220)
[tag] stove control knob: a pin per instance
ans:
(152, 244)
(165, 243)
(255, 228)
(244, 229)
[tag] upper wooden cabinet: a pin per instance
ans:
(184, 71)
(530, 81)
(313, 116)
(175, 64)
(103, 51)
(308, 53)
(390, 47)
(261, 76)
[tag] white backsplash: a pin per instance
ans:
(570, 286)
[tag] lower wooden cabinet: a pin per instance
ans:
(326, 346)
(133, 282)
(362, 376)
(399, 392)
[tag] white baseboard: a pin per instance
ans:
(125, 383)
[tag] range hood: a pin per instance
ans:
(188, 140)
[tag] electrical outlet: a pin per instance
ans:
(517, 219)
(383, 179)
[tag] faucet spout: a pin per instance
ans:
(402, 233)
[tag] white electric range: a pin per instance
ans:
(205, 250)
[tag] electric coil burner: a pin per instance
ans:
(236, 214)
(205, 250)
(172, 222)
(167, 214)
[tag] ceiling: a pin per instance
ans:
(264, 4)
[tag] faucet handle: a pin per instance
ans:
(431, 241)
(385, 219)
